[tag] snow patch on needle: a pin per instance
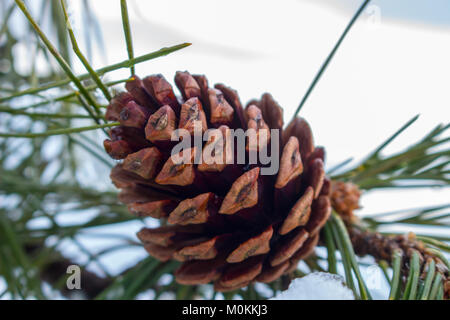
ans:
(317, 286)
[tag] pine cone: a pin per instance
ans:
(228, 223)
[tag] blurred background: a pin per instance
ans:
(392, 65)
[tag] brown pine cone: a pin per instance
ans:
(227, 222)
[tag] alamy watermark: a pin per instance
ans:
(73, 282)
(373, 19)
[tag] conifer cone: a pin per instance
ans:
(226, 222)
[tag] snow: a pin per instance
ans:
(317, 286)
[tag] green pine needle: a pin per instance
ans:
(331, 55)
(58, 131)
(396, 277)
(437, 286)
(101, 71)
(348, 247)
(331, 248)
(82, 58)
(413, 277)
(430, 269)
(127, 32)
(63, 63)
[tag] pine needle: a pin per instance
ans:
(396, 277)
(430, 269)
(330, 56)
(82, 58)
(413, 277)
(437, 284)
(101, 71)
(58, 131)
(127, 32)
(64, 65)
(348, 247)
(331, 248)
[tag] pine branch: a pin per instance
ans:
(408, 256)
(100, 72)
(415, 216)
(37, 197)
(419, 162)
(82, 58)
(62, 62)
